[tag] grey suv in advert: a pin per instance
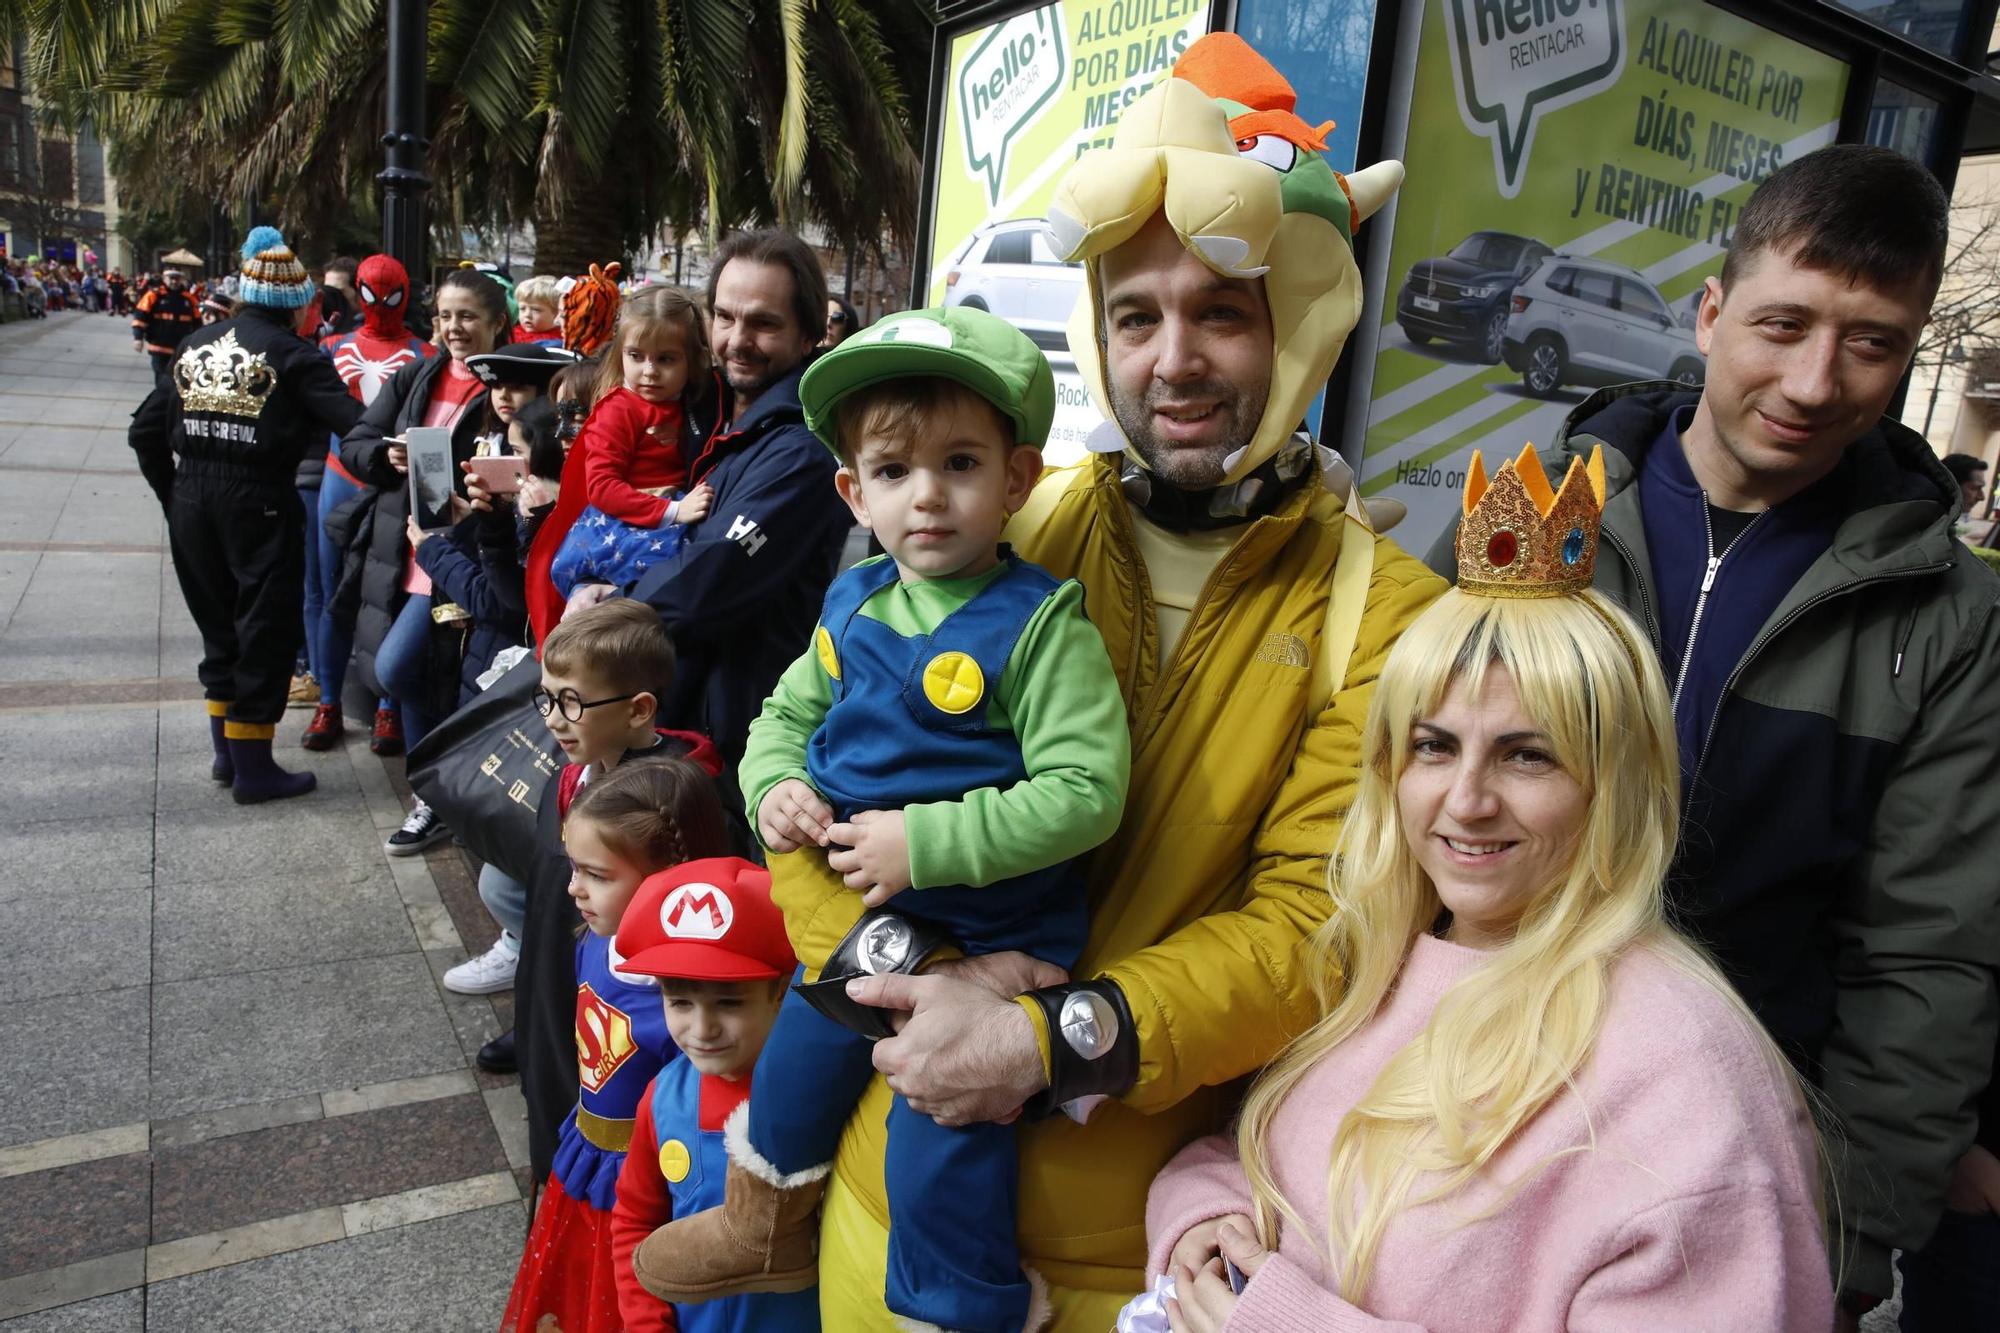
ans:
(1586, 321)
(1463, 297)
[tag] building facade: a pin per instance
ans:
(58, 199)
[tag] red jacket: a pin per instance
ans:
(621, 462)
(545, 604)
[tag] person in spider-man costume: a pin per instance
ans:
(365, 358)
(368, 356)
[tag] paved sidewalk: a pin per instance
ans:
(233, 1095)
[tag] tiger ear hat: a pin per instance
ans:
(590, 309)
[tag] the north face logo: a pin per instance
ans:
(697, 912)
(1284, 650)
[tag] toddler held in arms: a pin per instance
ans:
(633, 466)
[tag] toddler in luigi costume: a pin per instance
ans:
(951, 742)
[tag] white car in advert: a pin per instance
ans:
(1009, 269)
(1586, 322)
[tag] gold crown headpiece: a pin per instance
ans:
(1519, 538)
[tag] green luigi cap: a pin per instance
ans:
(979, 350)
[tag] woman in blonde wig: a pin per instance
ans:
(1530, 1104)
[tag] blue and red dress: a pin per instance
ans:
(566, 1272)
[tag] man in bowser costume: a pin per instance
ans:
(1247, 608)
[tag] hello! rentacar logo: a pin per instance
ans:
(1008, 81)
(1516, 59)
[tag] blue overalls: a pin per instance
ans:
(621, 1043)
(908, 725)
(693, 1162)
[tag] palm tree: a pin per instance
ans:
(601, 121)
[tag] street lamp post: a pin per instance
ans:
(404, 180)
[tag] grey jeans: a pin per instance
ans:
(507, 898)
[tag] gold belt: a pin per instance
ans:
(610, 1135)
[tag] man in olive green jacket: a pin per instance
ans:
(1834, 657)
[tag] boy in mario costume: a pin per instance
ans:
(954, 739)
(708, 930)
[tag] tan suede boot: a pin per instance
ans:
(764, 1237)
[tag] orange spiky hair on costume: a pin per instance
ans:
(590, 309)
(1229, 69)
(1521, 539)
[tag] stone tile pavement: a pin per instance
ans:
(233, 1095)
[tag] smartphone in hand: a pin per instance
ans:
(500, 476)
(430, 476)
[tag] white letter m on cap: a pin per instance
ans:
(696, 912)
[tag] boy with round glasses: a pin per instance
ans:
(604, 671)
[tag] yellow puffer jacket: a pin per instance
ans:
(1200, 903)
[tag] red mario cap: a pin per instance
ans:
(710, 920)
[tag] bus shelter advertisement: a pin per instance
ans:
(1024, 98)
(1575, 168)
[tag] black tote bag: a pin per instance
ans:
(484, 769)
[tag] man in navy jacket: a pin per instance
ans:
(741, 595)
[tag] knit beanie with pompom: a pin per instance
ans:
(272, 274)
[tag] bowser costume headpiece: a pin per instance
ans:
(1219, 149)
(383, 285)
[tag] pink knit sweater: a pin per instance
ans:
(1695, 1209)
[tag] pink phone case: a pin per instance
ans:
(501, 476)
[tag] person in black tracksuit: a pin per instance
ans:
(244, 403)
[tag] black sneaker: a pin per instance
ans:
(419, 831)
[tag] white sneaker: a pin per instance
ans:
(491, 972)
(419, 831)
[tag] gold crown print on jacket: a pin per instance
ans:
(1521, 539)
(224, 377)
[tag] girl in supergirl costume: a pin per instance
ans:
(639, 819)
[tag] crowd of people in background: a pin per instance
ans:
(32, 288)
(1602, 934)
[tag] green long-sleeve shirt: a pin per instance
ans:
(1058, 695)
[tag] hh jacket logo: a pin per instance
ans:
(745, 533)
(603, 1038)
